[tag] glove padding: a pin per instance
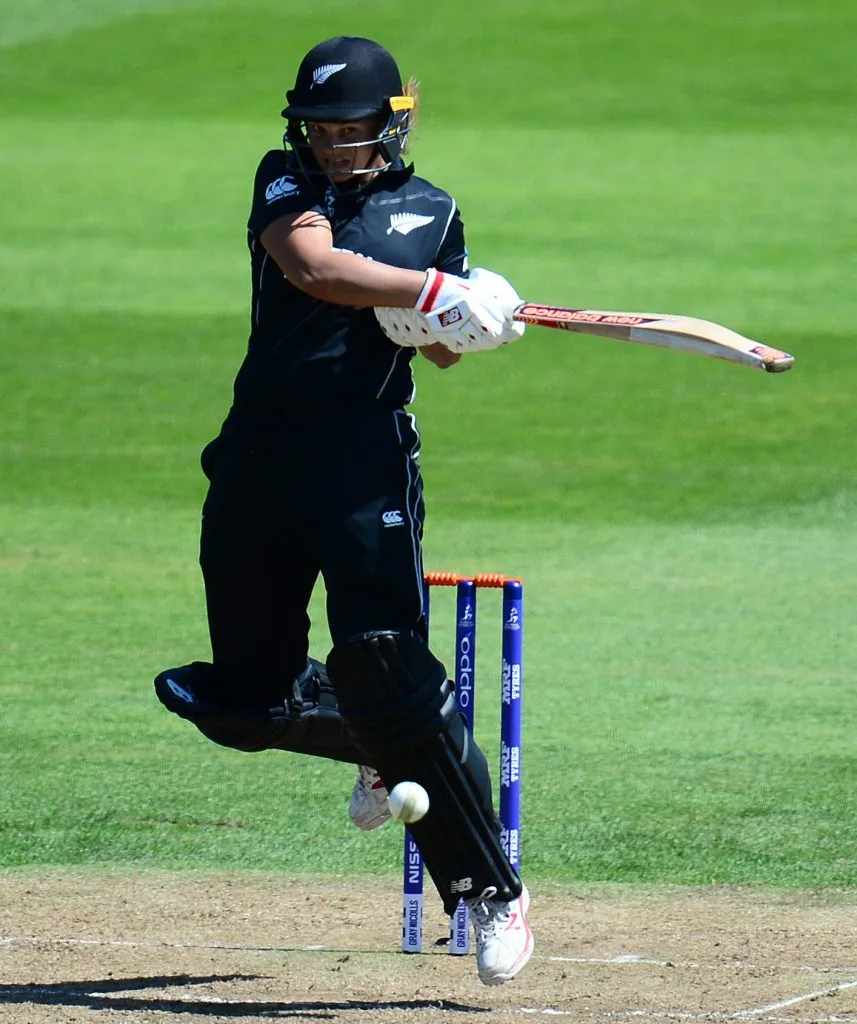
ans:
(464, 315)
(406, 327)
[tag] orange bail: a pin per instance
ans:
(482, 579)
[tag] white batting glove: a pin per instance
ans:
(456, 317)
(405, 327)
(441, 292)
(491, 287)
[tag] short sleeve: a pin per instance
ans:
(452, 254)
(278, 191)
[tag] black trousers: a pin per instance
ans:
(337, 495)
(340, 496)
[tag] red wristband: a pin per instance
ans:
(434, 284)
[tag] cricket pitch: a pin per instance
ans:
(161, 947)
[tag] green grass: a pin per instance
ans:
(684, 717)
(685, 527)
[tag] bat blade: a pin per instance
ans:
(685, 333)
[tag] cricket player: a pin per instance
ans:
(315, 472)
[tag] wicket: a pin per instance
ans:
(511, 682)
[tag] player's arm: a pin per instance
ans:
(451, 259)
(302, 246)
(440, 355)
(301, 243)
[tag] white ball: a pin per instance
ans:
(408, 802)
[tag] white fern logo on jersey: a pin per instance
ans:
(405, 223)
(321, 75)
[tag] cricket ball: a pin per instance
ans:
(408, 802)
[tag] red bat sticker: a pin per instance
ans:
(584, 316)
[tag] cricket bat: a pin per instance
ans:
(685, 333)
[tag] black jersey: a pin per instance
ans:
(304, 353)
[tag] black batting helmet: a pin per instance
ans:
(349, 78)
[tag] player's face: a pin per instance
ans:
(343, 148)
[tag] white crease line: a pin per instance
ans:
(35, 940)
(783, 1003)
(548, 1011)
(666, 1014)
(141, 993)
(185, 997)
(621, 958)
(152, 944)
(723, 1015)
(73, 990)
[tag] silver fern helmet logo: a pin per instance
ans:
(405, 223)
(321, 75)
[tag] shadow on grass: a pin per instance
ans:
(109, 994)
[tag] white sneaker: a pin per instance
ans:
(504, 942)
(369, 808)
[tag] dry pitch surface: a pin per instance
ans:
(165, 948)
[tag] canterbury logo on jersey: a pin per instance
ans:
(321, 75)
(285, 186)
(405, 223)
(393, 518)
